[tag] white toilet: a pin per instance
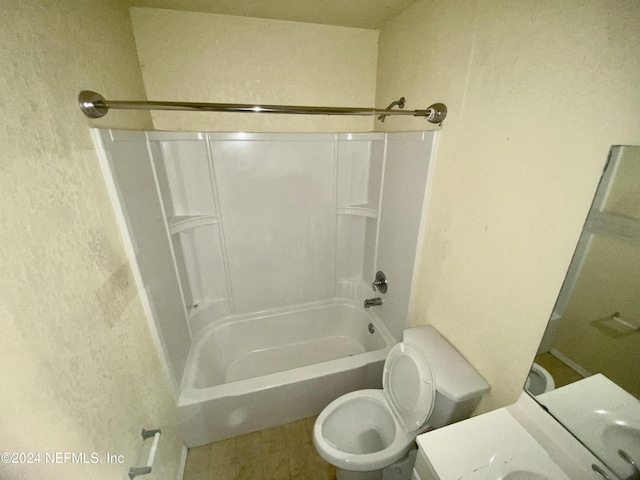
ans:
(539, 380)
(426, 384)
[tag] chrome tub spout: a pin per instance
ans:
(372, 302)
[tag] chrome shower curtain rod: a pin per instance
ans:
(94, 105)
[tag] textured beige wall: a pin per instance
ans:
(79, 371)
(537, 93)
(199, 57)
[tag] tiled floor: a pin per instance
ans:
(278, 453)
(562, 374)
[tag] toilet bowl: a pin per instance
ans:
(426, 384)
(360, 433)
(539, 381)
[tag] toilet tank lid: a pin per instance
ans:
(454, 376)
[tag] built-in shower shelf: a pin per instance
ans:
(180, 223)
(358, 211)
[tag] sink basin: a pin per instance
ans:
(497, 473)
(524, 475)
(603, 416)
(622, 436)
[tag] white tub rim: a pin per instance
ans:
(191, 395)
(245, 317)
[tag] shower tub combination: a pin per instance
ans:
(256, 371)
(255, 301)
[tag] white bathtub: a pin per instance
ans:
(250, 372)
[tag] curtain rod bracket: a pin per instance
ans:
(436, 113)
(94, 105)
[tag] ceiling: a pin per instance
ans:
(371, 14)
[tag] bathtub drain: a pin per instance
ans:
(371, 329)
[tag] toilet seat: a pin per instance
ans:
(408, 382)
(394, 413)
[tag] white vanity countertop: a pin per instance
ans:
(490, 446)
(604, 416)
(506, 444)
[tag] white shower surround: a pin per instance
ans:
(254, 237)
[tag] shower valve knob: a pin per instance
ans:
(380, 282)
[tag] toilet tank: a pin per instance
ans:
(459, 387)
